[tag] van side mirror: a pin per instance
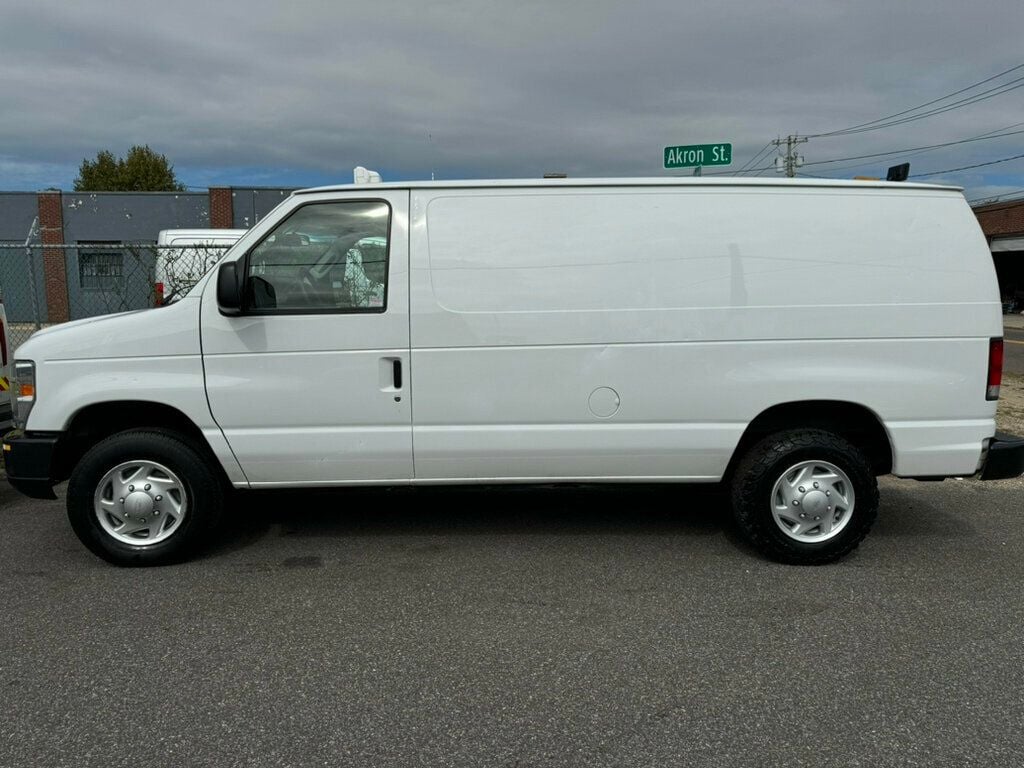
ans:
(229, 289)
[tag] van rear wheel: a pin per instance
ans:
(144, 497)
(804, 496)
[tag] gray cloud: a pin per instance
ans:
(501, 88)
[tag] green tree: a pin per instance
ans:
(141, 170)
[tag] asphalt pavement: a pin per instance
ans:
(1013, 361)
(607, 627)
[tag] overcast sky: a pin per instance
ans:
(297, 93)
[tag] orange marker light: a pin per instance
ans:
(26, 390)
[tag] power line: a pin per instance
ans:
(914, 152)
(853, 128)
(927, 103)
(999, 207)
(915, 149)
(999, 204)
(966, 167)
(755, 158)
(997, 198)
(986, 134)
(997, 130)
(733, 173)
(1002, 89)
(905, 116)
(748, 166)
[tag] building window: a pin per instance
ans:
(100, 270)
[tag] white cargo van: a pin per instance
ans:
(183, 256)
(793, 339)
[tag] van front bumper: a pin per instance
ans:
(1005, 458)
(29, 462)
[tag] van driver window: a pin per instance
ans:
(324, 257)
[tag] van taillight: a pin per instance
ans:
(995, 368)
(158, 289)
(3, 345)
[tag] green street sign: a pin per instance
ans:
(692, 155)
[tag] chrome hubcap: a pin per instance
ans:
(812, 501)
(140, 502)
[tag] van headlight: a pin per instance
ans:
(24, 391)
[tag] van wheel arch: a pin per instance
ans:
(854, 422)
(98, 421)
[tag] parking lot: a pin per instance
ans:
(594, 626)
(618, 626)
(1014, 337)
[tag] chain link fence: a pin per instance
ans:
(41, 285)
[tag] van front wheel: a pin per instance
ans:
(804, 496)
(143, 497)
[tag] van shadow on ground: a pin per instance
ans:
(947, 509)
(476, 511)
(908, 509)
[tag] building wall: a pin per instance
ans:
(97, 217)
(1001, 219)
(72, 218)
(131, 216)
(17, 212)
(251, 204)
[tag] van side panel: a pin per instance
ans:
(613, 333)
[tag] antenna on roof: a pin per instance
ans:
(364, 176)
(898, 172)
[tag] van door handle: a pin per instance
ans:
(390, 376)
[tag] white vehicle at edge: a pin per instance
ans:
(5, 373)
(794, 339)
(183, 256)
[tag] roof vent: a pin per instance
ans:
(364, 176)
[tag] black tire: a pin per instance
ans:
(204, 488)
(757, 473)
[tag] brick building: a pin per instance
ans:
(56, 284)
(1003, 225)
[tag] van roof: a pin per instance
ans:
(674, 181)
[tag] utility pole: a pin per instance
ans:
(789, 162)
